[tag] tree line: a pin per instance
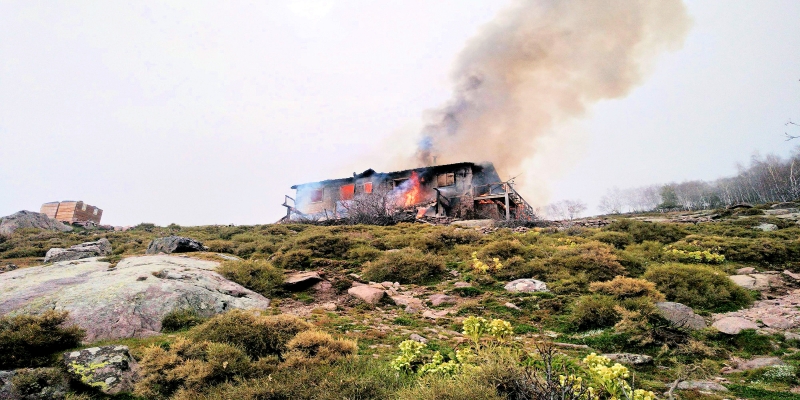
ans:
(769, 178)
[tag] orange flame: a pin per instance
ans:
(413, 194)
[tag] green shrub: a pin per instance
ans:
(188, 365)
(315, 347)
(325, 245)
(257, 335)
(31, 341)
(698, 286)
(755, 250)
(641, 231)
(616, 239)
(624, 288)
(221, 246)
(257, 275)
(438, 387)
(405, 266)
(294, 259)
(502, 249)
(363, 253)
(179, 320)
(38, 383)
(596, 260)
(594, 311)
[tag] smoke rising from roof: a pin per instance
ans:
(541, 63)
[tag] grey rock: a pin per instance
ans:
(8, 267)
(759, 362)
(411, 304)
(301, 280)
(99, 248)
(777, 322)
(785, 205)
(30, 219)
(461, 284)
(629, 358)
(111, 304)
(767, 227)
(745, 271)
(174, 244)
(440, 298)
(367, 293)
(511, 305)
(418, 338)
(733, 325)
(703, 386)
(680, 315)
(474, 223)
(757, 281)
(526, 286)
(791, 274)
(329, 306)
(791, 335)
(111, 369)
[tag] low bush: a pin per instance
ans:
(502, 249)
(698, 286)
(405, 266)
(437, 387)
(188, 365)
(32, 341)
(257, 335)
(315, 347)
(294, 259)
(594, 311)
(625, 288)
(596, 260)
(257, 275)
(325, 245)
(641, 231)
(616, 239)
(38, 383)
(179, 320)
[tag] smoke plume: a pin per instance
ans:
(542, 63)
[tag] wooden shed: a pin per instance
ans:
(72, 211)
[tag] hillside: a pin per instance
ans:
(550, 297)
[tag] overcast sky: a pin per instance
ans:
(207, 112)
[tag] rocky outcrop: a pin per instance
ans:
(733, 325)
(129, 300)
(410, 303)
(758, 281)
(771, 315)
(740, 365)
(526, 286)
(99, 248)
(30, 219)
(174, 244)
(111, 369)
(680, 315)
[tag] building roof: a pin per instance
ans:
(371, 172)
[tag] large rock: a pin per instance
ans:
(30, 219)
(174, 244)
(703, 386)
(629, 358)
(759, 362)
(680, 315)
(127, 301)
(111, 369)
(367, 293)
(474, 223)
(411, 304)
(757, 281)
(441, 298)
(301, 280)
(99, 248)
(767, 227)
(733, 325)
(526, 286)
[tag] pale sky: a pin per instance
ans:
(207, 112)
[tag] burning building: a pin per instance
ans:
(463, 190)
(72, 212)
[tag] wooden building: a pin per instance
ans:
(72, 211)
(462, 190)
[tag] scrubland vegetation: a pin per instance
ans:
(603, 283)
